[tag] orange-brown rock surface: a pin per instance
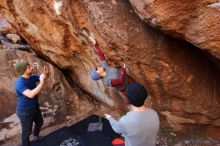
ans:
(196, 21)
(183, 82)
(59, 101)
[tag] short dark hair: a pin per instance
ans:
(137, 94)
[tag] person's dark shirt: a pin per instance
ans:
(23, 84)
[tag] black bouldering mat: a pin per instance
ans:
(82, 127)
(77, 135)
(95, 138)
(58, 137)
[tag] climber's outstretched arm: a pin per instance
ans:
(90, 36)
(99, 52)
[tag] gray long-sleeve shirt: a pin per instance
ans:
(113, 73)
(138, 128)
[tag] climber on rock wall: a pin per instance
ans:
(111, 77)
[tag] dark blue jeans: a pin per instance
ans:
(27, 118)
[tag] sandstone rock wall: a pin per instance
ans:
(182, 81)
(195, 21)
(60, 101)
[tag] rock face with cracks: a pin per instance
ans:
(182, 81)
(195, 21)
(58, 100)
